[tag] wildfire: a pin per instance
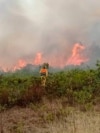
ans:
(76, 58)
(38, 59)
(21, 63)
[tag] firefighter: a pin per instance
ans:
(43, 74)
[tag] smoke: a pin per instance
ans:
(47, 26)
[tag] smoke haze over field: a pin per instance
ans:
(49, 27)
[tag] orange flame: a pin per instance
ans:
(76, 58)
(38, 59)
(21, 63)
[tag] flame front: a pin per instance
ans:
(76, 58)
(38, 59)
(21, 63)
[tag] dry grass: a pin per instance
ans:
(50, 117)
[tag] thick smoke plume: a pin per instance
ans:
(48, 27)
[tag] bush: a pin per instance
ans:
(77, 85)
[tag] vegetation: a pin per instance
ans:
(53, 109)
(78, 86)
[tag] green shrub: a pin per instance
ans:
(77, 85)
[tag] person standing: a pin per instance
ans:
(44, 75)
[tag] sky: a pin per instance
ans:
(51, 27)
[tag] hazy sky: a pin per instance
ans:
(48, 26)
